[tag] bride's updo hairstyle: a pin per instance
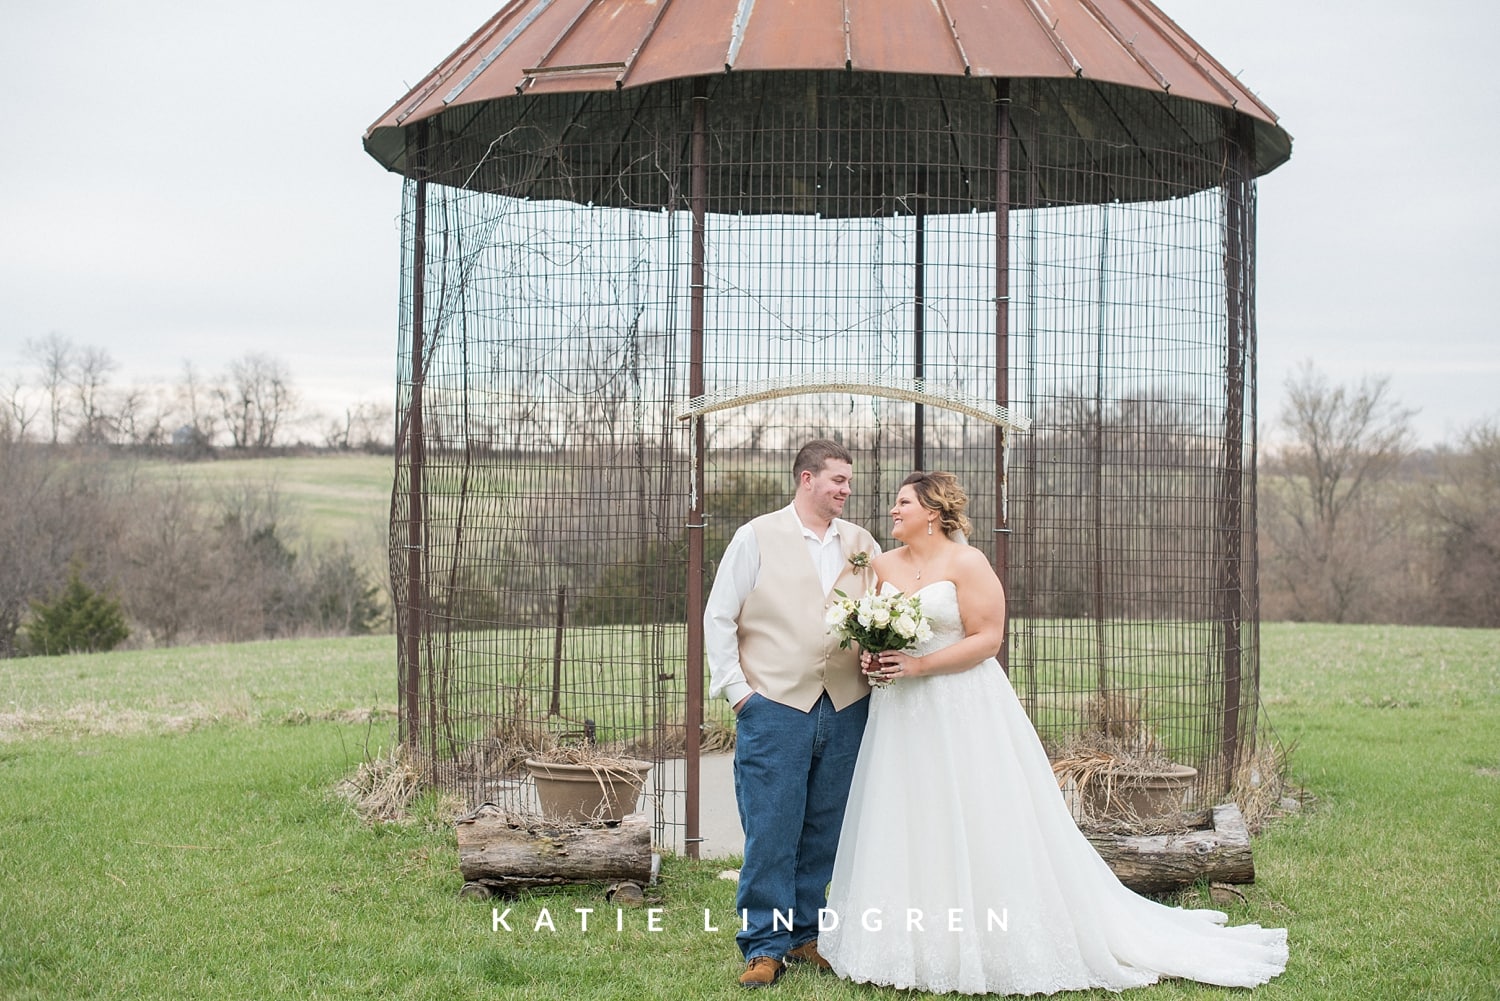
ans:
(940, 492)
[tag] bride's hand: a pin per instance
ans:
(895, 664)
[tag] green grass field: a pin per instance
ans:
(331, 498)
(168, 829)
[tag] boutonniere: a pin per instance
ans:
(860, 560)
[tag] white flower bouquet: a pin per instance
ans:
(878, 622)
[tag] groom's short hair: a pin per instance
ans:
(812, 456)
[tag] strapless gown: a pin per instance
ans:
(960, 869)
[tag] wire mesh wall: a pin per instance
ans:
(604, 257)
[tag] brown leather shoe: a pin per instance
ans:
(762, 971)
(808, 952)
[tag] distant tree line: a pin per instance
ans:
(1122, 515)
(1353, 522)
(81, 537)
(1357, 525)
(66, 396)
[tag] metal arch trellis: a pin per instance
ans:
(897, 268)
(891, 387)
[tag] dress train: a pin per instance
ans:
(960, 869)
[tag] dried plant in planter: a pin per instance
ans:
(586, 783)
(598, 756)
(1118, 773)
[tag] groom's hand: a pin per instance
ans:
(740, 704)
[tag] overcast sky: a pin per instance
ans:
(185, 180)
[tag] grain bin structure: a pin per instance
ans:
(648, 247)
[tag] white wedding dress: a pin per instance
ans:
(959, 867)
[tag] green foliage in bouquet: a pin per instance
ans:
(878, 622)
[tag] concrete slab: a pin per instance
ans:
(718, 815)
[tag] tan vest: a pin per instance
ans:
(786, 650)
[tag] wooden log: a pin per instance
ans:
(507, 853)
(1155, 863)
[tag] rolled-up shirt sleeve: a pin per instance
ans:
(733, 583)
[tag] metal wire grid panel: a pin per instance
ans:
(567, 293)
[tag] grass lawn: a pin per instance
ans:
(168, 830)
(331, 498)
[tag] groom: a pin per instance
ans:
(800, 703)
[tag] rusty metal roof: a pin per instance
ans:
(539, 47)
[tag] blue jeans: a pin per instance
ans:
(791, 781)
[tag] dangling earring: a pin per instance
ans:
(929, 527)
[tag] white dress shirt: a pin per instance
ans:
(738, 571)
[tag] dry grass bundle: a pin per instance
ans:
(1115, 742)
(663, 742)
(718, 737)
(505, 748)
(383, 787)
(514, 737)
(515, 818)
(1087, 756)
(1261, 788)
(387, 788)
(1117, 722)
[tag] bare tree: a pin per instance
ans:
(16, 412)
(1331, 527)
(255, 398)
(1465, 506)
(53, 512)
(23, 487)
(174, 571)
(195, 398)
(89, 379)
(226, 565)
(53, 356)
(363, 425)
(142, 416)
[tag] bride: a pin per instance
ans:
(959, 867)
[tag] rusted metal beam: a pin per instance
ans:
(1002, 344)
(1191, 59)
(1049, 27)
(411, 669)
(693, 712)
(1239, 263)
(919, 329)
(1127, 44)
(958, 43)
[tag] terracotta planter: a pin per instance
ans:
(1148, 796)
(576, 794)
